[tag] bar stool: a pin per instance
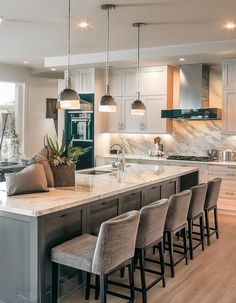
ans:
(196, 212)
(150, 234)
(211, 205)
(176, 221)
(112, 250)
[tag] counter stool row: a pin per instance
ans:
(124, 241)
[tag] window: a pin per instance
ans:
(9, 128)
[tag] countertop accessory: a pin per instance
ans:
(68, 97)
(137, 107)
(62, 160)
(107, 102)
(215, 154)
(228, 155)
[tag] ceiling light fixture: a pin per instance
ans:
(26, 62)
(68, 97)
(107, 102)
(181, 59)
(230, 25)
(138, 107)
(1, 20)
(53, 69)
(83, 24)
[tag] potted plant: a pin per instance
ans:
(62, 159)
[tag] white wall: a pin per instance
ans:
(37, 125)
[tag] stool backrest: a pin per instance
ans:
(116, 242)
(178, 210)
(212, 193)
(197, 200)
(152, 221)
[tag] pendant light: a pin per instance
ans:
(107, 102)
(68, 97)
(138, 107)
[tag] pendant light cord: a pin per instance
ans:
(138, 63)
(68, 46)
(108, 51)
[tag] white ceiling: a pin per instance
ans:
(35, 29)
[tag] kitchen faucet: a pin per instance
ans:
(121, 149)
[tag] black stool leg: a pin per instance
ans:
(171, 252)
(97, 287)
(162, 263)
(143, 278)
(207, 227)
(88, 284)
(185, 245)
(103, 288)
(54, 282)
(122, 272)
(131, 281)
(216, 222)
(202, 231)
(190, 237)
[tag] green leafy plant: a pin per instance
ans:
(64, 153)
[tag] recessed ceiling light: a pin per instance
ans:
(83, 24)
(230, 25)
(53, 69)
(26, 62)
(1, 20)
(181, 59)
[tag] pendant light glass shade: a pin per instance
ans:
(68, 97)
(137, 107)
(107, 102)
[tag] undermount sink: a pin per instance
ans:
(95, 172)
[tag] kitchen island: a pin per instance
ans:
(30, 225)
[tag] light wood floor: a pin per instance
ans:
(209, 278)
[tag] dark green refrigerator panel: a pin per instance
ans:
(80, 125)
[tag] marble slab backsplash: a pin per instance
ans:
(187, 138)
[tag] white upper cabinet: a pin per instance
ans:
(229, 112)
(156, 87)
(229, 74)
(229, 96)
(116, 85)
(83, 80)
(154, 81)
(154, 106)
(129, 82)
(113, 122)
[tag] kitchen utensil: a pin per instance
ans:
(228, 155)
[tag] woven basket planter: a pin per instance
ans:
(64, 175)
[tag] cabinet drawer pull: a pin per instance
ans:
(63, 215)
(228, 193)
(231, 167)
(230, 175)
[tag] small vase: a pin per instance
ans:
(64, 175)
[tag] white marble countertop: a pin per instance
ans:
(164, 159)
(88, 188)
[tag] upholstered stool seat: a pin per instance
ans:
(77, 253)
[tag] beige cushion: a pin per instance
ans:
(41, 157)
(30, 179)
